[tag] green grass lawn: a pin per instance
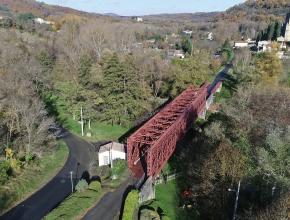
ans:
(33, 177)
(99, 130)
(167, 198)
(75, 206)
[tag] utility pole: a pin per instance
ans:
(111, 155)
(71, 180)
(82, 121)
(237, 199)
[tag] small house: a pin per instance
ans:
(42, 21)
(187, 32)
(110, 152)
(241, 44)
(209, 36)
(139, 19)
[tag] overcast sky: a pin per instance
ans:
(145, 7)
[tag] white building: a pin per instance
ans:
(287, 30)
(264, 46)
(188, 32)
(241, 44)
(281, 39)
(171, 54)
(139, 19)
(111, 152)
(210, 36)
(42, 21)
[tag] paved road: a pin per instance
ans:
(54, 192)
(108, 208)
(220, 76)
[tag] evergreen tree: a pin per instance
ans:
(270, 31)
(186, 45)
(277, 31)
(259, 37)
(120, 90)
(84, 70)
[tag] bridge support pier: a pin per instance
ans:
(147, 191)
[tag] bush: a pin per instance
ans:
(82, 185)
(131, 204)
(147, 214)
(95, 185)
(119, 166)
(4, 169)
(104, 172)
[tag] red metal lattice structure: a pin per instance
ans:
(150, 147)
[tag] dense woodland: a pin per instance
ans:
(50, 75)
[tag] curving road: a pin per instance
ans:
(55, 191)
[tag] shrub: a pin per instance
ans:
(4, 169)
(26, 17)
(131, 204)
(104, 172)
(119, 166)
(82, 185)
(95, 185)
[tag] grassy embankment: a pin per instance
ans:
(75, 205)
(167, 202)
(99, 130)
(33, 177)
(78, 203)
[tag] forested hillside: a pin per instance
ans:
(39, 8)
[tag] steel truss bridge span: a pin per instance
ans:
(151, 146)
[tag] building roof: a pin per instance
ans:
(112, 145)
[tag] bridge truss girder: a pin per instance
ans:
(150, 147)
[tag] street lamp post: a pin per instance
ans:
(71, 179)
(237, 199)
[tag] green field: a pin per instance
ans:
(167, 198)
(33, 177)
(75, 206)
(99, 130)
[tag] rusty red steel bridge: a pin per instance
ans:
(151, 146)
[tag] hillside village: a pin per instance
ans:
(280, 44)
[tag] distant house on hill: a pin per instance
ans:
(42, 21)
(264, 46)
(187, 32)
(138, 19)
(110, 152)
(210, 36)
(171, 54)
(241, 44)
(286, 29)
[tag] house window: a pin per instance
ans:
(106, 160)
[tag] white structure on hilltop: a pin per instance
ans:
(171, 54)
(287, 30)
(42, 21)
(264, 46)
(187, 32)
(210, 36)
(110, 152)
(241, 44)
(139, 19)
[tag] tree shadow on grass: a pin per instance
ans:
(6, 198)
